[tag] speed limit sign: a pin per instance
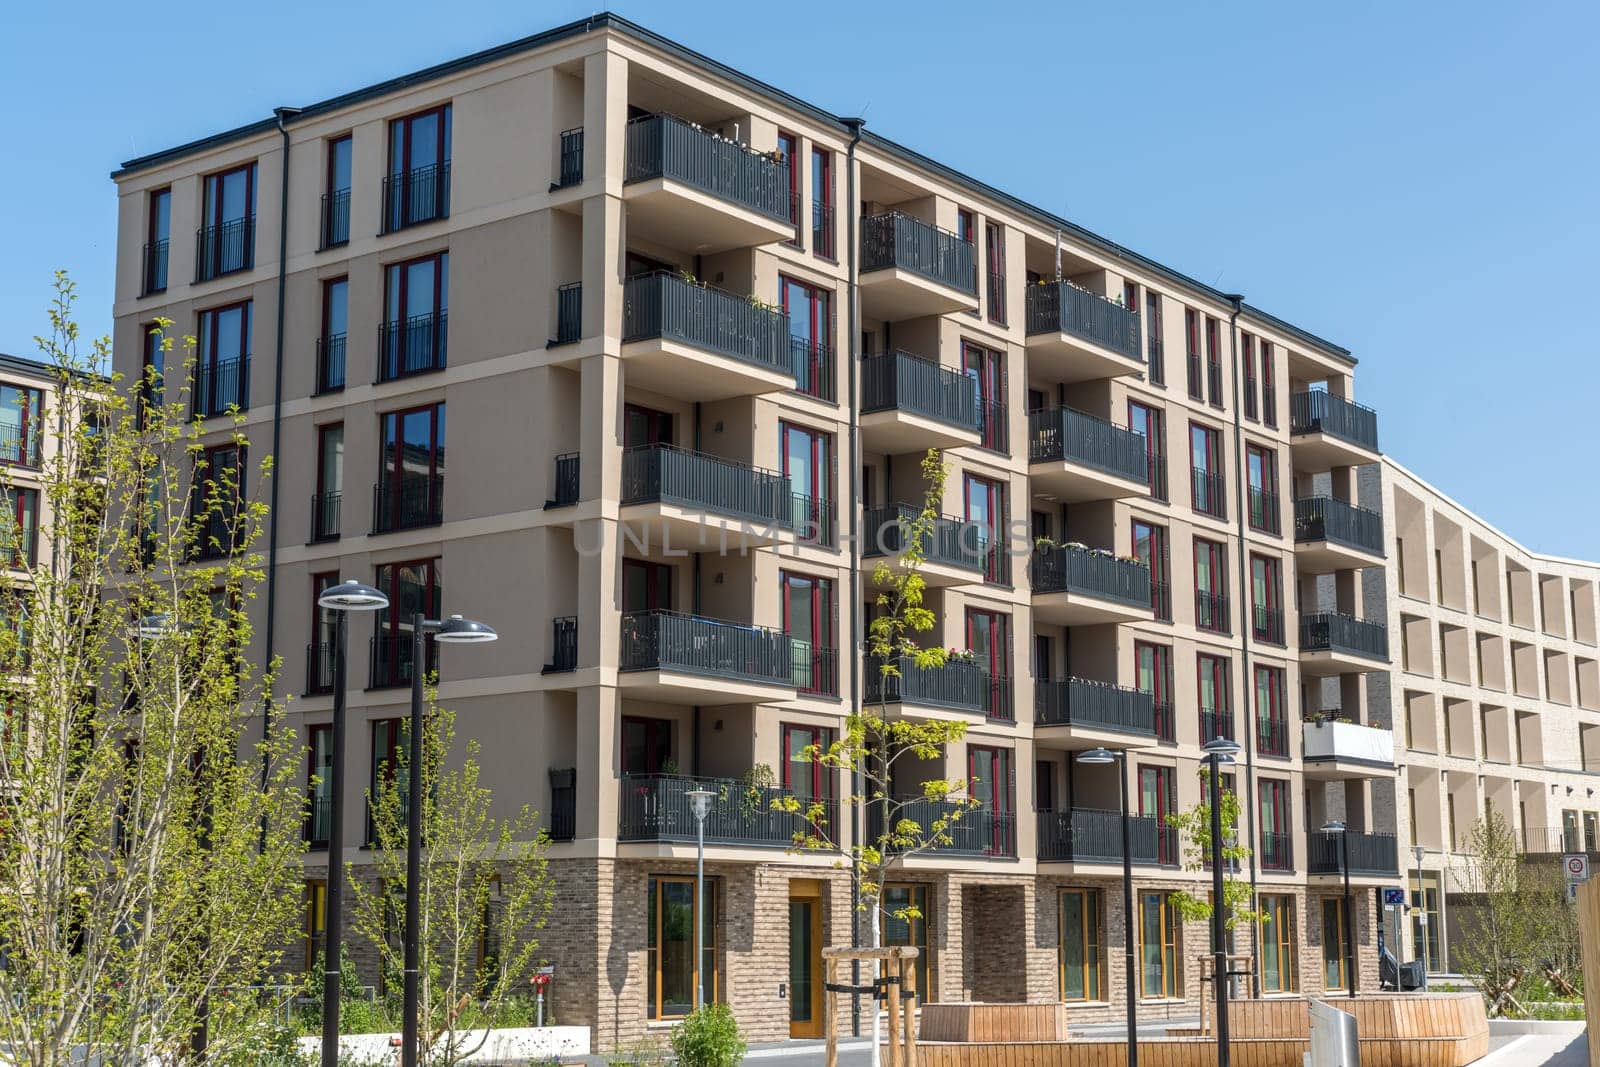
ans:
(1577, 867)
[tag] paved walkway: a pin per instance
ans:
(1537, 1050)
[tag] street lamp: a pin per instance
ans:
(341, 599)
(700, 804)
(1219, 752)
(1330, 828)
(1422, 915)
(1102, 757)
(452, 631)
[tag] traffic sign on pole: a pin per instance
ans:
(1576, 864)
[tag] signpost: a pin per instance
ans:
(1576, 864)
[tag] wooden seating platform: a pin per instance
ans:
(993, 1022)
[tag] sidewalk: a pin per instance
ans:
(1538, 1050)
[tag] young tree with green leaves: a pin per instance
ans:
(149, 864)
(1194, 826)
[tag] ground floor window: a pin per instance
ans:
(909, 931)
(1158, 946)
(1080, 945)
(1425, 938)
(1279, 971)
(1333, 970)
(672, 969)
(316, 916)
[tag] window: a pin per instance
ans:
(1216, 697)
(22, 515)
(325, 506)
(1272, 727)
(1208, 485)
(1333, 969)
(1269, 395)
(412, 588)
(1214, 361)
(905, 923)
(1158, 798)
(214, 499)
(416, 305)
(152, 389)
(1150, 548)
(1191, 336)
(991, 783)
(964, 225)
(319, 783)
(987, 369)
(810, 312)
(646, 745)
(1154, 357)
(410, 489)
(157, 242)
(809, 780)
(671, 970)
(1151, 422)
(822, 203)
(1280, 972)
(1210, 586)
(336, 196)
(1082, 969)
(1158, 946)
(222, 363)
(1262, 467)
(316, 900)
(228, 220)
(417, 188)
(1154, 666)
(989, 637)
(22, 423)
(389, 738)
(789, 149)
(1247, 346)
(646, 586)
(808, 470)
(994, 254)
(1276, 854)
(331, 344)
(324, 634)
(985, 506)
(809, 620)
(1266, 599)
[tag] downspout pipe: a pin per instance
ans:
(857, 625)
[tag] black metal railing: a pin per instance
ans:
(325, 516)
(1325, 518)
(900, 241)
(1196, 386)
(335, 218)
(1166, 720)
(1087, 572)
(670, 475)
(1099, 705)
(979, 831)
(1272, 735)
(1369, 853)
(1266, 624)
(566, 486)
(23, 450)
(330, 363)
(1320, 412)
(1266, 514)
(563, 803)
(319, 668)
(1277, 852)
(1335, 632)
(569, 313)
(569, 163)
(415, 345)
(1208, 491)
(951, 542)
(153, 278)
(418, 195)
(319, 818)
(1061, 307)
(1084, 835)
(661, 146)
(994, 426)
(391, 656)
(213, 534)
(1161, 600)
(1078, 437)
(224, 248)
(657, 807)
(563, 645)
(816, 669)
(668, 306)
(1156, 477)
(221, 385)
(1154, 361)
(692, 644)
(794, 238)
(1215, 724)
(1211, 611)
(959, 685)
(406, 503)
(812, 362)
(822, 229)
(1214, 380)
(900, 381)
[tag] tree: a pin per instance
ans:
(484, 895)
(1194, 825)
(152, 828)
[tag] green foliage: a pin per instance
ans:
(1194, 827)
(640, 1053)
(708, 1037)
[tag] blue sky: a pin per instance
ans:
(1416, 181)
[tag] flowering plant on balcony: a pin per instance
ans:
(960, 655)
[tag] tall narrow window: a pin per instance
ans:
(1155, 358)
(1158, 947)
(20, 539)
(1154, 666)
(1210, 586)
(1276, 854)
(1082, 974)
(1247, 349)
(1216, 698)
(987, 369)
(1272, 726)
(1151, 421)
(215, 498)
(1333, 952)
(906, 899)
(152, 375)
(1191, 337)
(384, 771)
(335, 327)
(326, 505)
(808, 470)
(417, 188)
(646, 745)
(1158, 798)
(22, 418)
(989, 639)
(316, 904)
(1266, 599)
(985, 507)
(810, 311)
(158, 236)
(1261, 465)
(646, 586)
(410, 490)
(991, 782)
(319, 782)
(228, 215)
(1150, 548)
(1213, 362)
(1208, 486)
(416, 306)
(808, 779)
(324, 634)
(1269, 391)
(808, 619)
(412, 588)
(1280, 971)
(994, 253)
(822, 203)
(222, 363)
(336, 194)
(789, 149)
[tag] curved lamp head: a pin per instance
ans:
(458, 631)
(700, 802)
(1097, 757)
(1419, 852)
(352, 596)
(1224, 748)
(1333, 826)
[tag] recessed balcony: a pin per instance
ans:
(677, 499)
(1075, 335)
(1329, 431)
(690, 659)
(1338, 750)
(957, 690)
(911, 404)
(1088, 836)
(657, 808)
(1074, 457)
(1082, 714)
(1371, 855)
(911, 269)
(1331, 535)
(694, 342)
(1077, 586)
(690, 189)
(1332, 643)
(953, 552)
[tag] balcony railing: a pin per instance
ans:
(822, 229)
(951, 542)
(1347, 741)
(213, 534)
(657, 807)
(1156, 463)
(391, 659)
(900, 241)
(1154, 360)
(224, 248)
(335, 218)
(1161, 600)
(325, 516)
(1084, 835)
(411, 346)
(793, 240)
(412, 501)
(1332, 632)
(563, 645)
(1209, 492)
(980, 831)
(419, 195)
(1166, 720)
(670, 307)
(319, 818)
(816, 669)
(959, 685)
(1086, 572)
(319, 668)
(1369, 853)
(1321, 412)
(563, 803)
(569, 313)
(566, 485)
(569, 165)
(1078, 437)
(670, 475)
(994, 426)
(1061, 307)
(1272, 736)
(221, 385)
(691, 644)
(1265, 512)
(1097, 705)
(330, 363)
(1277, 852)
(813, 368)
(1215, 724)
(1325, 518)
(661, 146)
(900, 381)
(20, 449)
(1266, 624)
(1211, 612)
(154, 275)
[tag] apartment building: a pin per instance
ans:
(29, 437)
(694, 337)
(1495, 692)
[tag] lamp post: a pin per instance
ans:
(1219, 752)
(452, 631)
(1330, 828)
(1422, 915)
(341, 599)
(1101, 757)
(700, 804)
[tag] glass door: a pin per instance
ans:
(808, 620)
(1157, 797)
(989, 783)
(805, 966)
(990, 641)
(807, 465)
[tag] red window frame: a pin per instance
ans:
(1191, 330)
(403, 126)
(995, 569)
(392, 467)
(819, 490)
(994, 251)
(822, 203)
(1216, 558)
(397, 300)
(1160, 782)
(821, 778)
(1272, 726)
(331, 179)
(1157, 555)
(653, 585)
(1152, 422)
(32, 429)
(1247, 345)
(1276, 813)
(657, 737)
(391, 624)
(824, 621)
(789, 147)
(317, 734)
(1155, 358)
(987, 368)
(208, 356)
(994, 766)
(1271, 573)
(211, 204)
(155, 232)
(1216, 669)
(965, 224)
(1214, 361)
(208, 461)
(999, 665)
(1269, 394)
(323, 431)
(328, 286)
(1261, 474)
(17, 497)
(1205, 456)
(1161, 682)
(818, 317)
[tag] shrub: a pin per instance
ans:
(709, 1037)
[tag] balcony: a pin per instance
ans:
(953, 691)
(953, 551)
(1332, 643)
(1075, 335)
(325, 517)
(1093, 713)
(689, 659)
(153, 277)
(911, 404)
(1371, 855)
(421, 194)
(1331, 535)
(1329, 431)
(335, 229)
(409, 502)
(1076, 457)
(657, 808)
(980, 832)
(330, 364)
(1083, 835)
(319, 668)
(224, 248)
(694, 342)
(1339, 750)
(221, 386)
(412, 346)
(689, 189)
(676, 498)
(1078, 586)
(911, 268)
